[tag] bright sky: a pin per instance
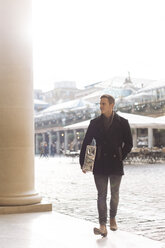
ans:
(93, 40)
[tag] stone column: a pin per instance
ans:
(65, 140)
(37, 145)
(75, 140)
(43, 137)
(134, 137)
(50, 142)
(58, 143)
(150, 137)
(16, 106)
(85, 130)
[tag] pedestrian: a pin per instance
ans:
(46, 150)
(113, 138)
(41, 149)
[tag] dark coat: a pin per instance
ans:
(112, 145)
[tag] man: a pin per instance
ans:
(113, 142)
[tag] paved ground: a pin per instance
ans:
(52, 230)
(142, 201)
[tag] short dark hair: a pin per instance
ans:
(110, 98)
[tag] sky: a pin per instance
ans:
(89, 41)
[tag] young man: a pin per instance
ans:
(113, 142)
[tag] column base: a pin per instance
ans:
(40, 207)
(20, 200)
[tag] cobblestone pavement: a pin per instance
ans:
(142, 194)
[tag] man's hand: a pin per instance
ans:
(84, 171)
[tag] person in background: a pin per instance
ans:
(113, 139)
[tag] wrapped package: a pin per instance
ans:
(89, 158)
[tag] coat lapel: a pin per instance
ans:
(101, 129)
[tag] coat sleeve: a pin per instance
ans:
(127, 140)
(87, 141)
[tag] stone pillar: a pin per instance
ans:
(37, 145)
(85, 130)
(58, 143)
(43, 137)
(65, 140)
(134, 137)
(150, 137)
(75, 140)
(50, 142)
(16, 106)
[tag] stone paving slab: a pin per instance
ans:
(53, 230)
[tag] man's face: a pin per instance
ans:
(106, 107)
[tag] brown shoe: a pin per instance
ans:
(100, 231)
(113, 225)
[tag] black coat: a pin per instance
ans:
(112, 145)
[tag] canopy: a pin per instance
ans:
(135, 121)
(69, 105)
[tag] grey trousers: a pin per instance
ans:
(101, 182)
